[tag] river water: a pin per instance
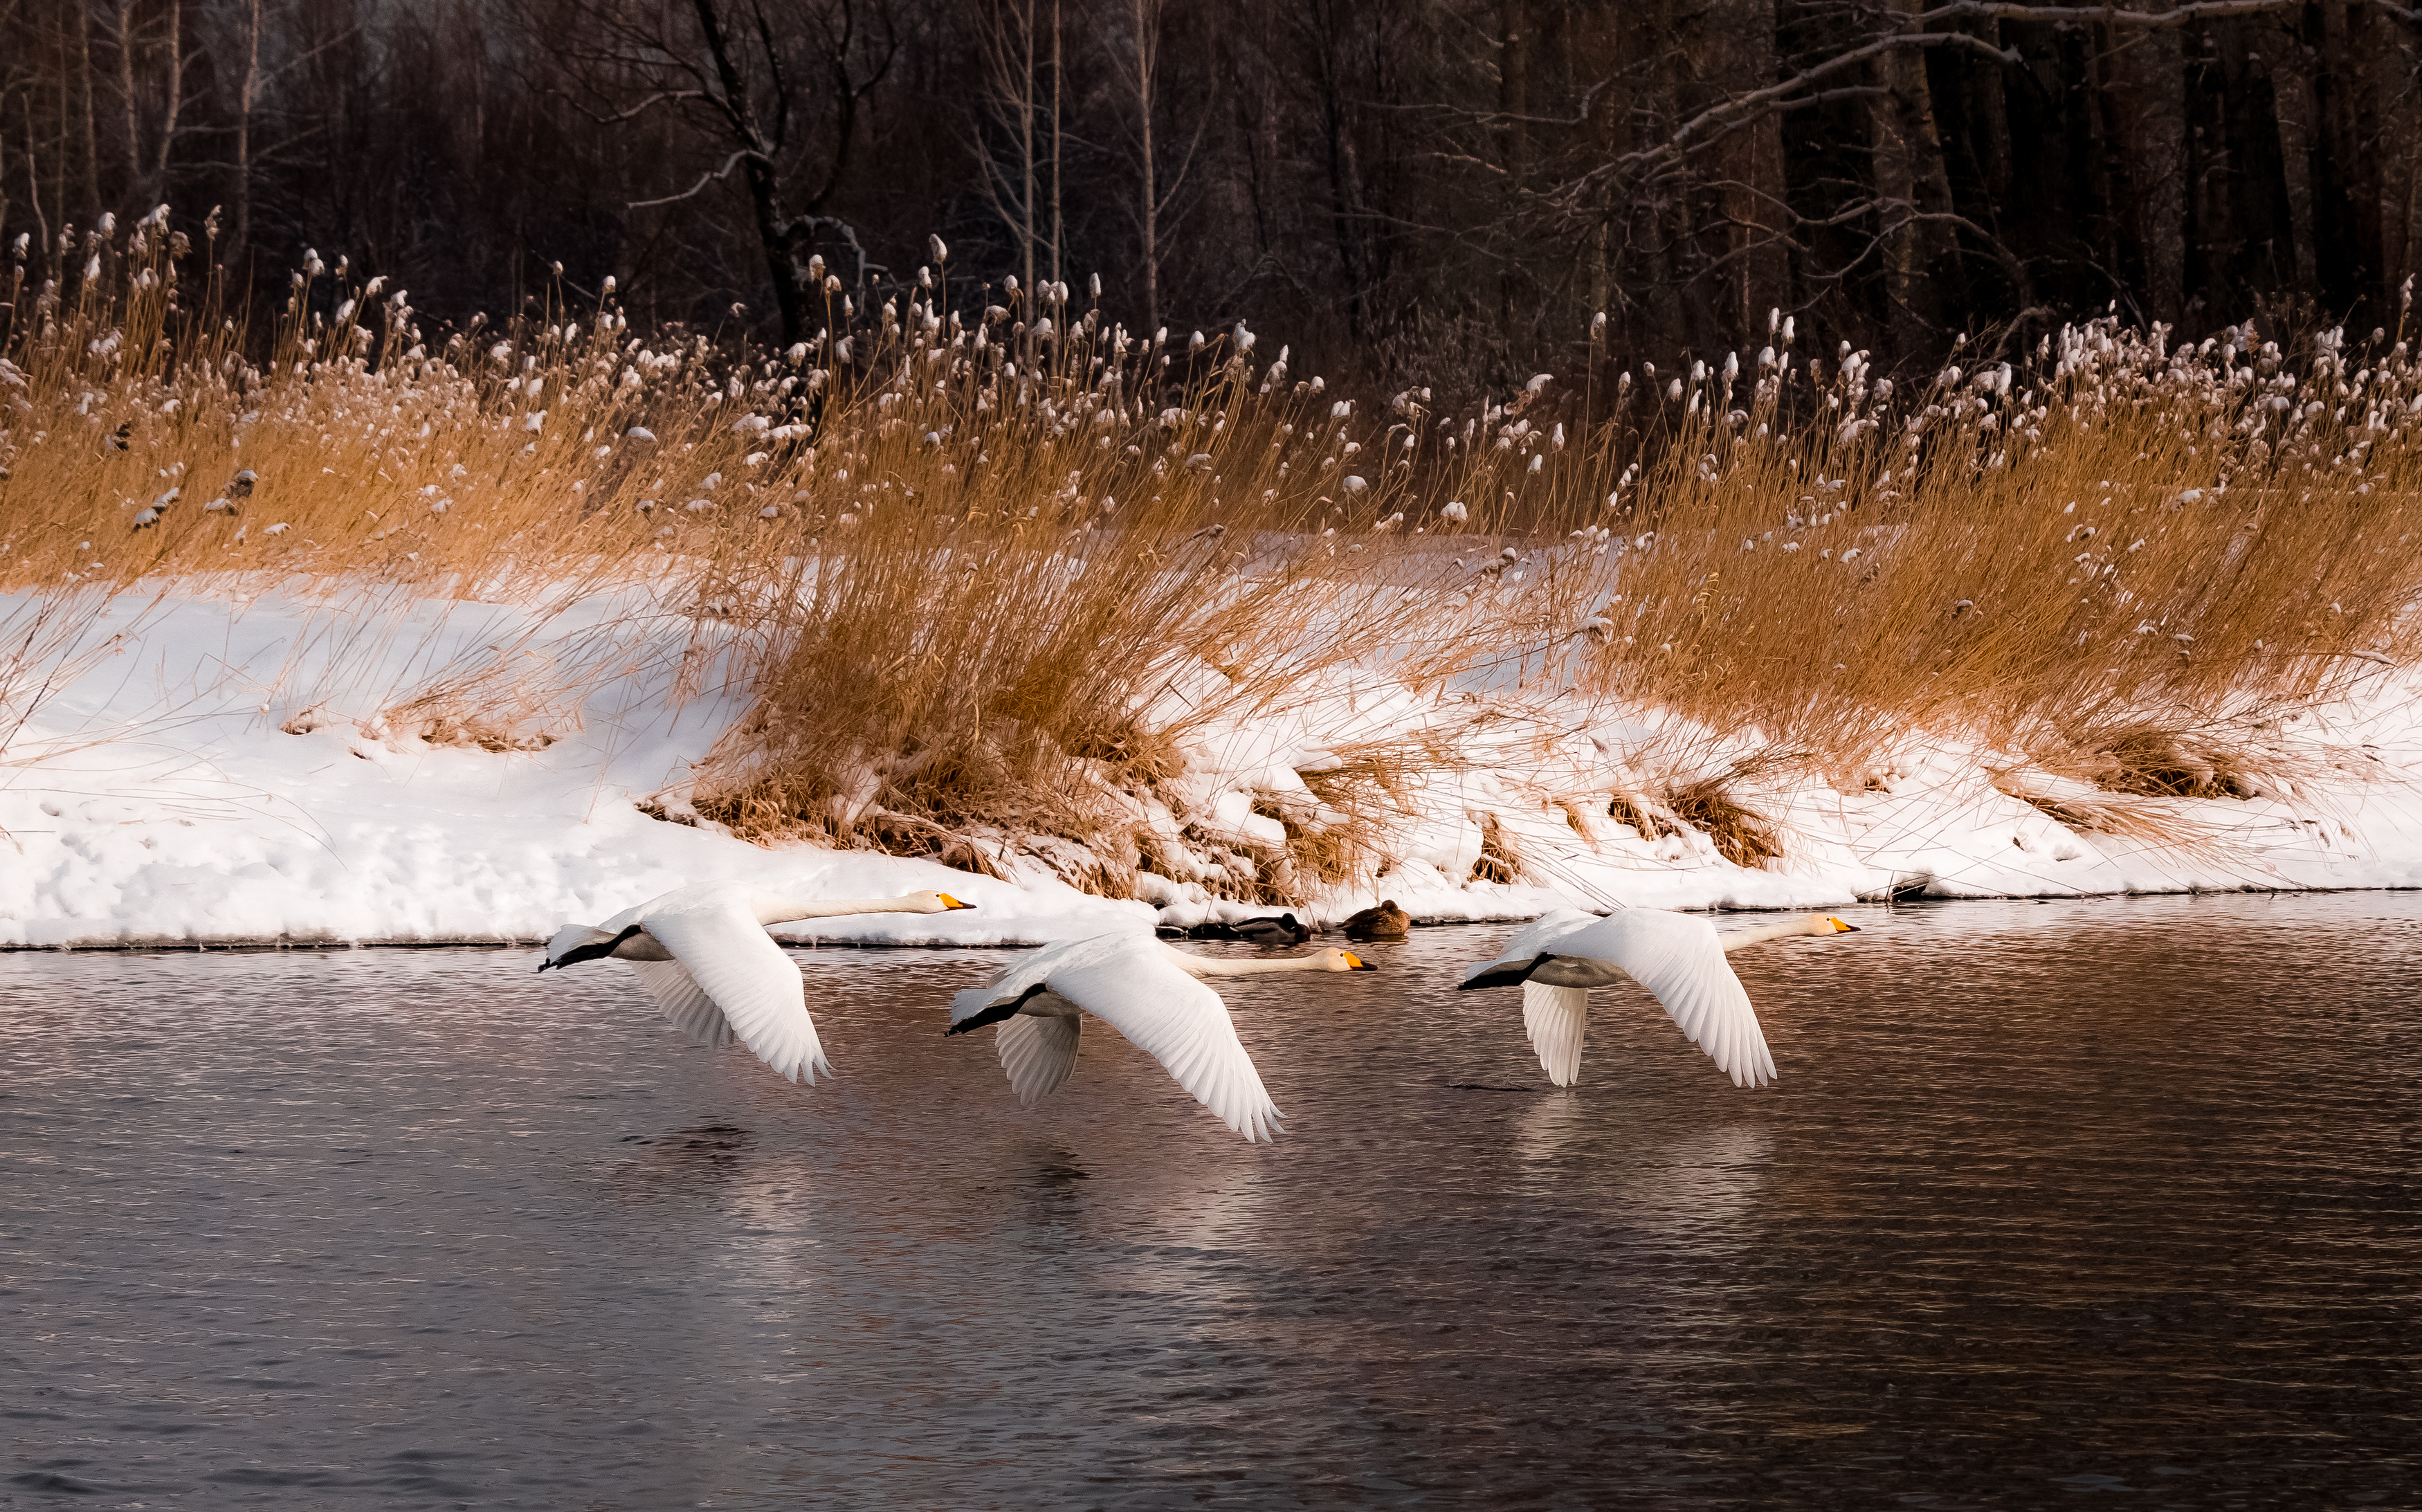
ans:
(2107, 1202)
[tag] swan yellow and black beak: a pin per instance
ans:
(1356, 962)
(949, 902)
(1841, 928)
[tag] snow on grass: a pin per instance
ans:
(228, 774)
(481, 632)
(229, 771)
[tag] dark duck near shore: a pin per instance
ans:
(1280, 929)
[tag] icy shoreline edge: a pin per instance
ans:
(219, 775)
(258, 945)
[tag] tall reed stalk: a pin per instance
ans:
(986, 558)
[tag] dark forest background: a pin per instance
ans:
(1407, 190)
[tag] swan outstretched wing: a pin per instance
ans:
(730, 958)
(1038, 1052)
(684, 1001)
(1146, 995)
(1681, 960)
(1555, 1018)
(1134, 984)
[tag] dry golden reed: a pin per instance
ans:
(980, 558)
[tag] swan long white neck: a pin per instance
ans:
(1204, 965)
(1810, 924)
(777, 910)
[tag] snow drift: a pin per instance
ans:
(273, 770)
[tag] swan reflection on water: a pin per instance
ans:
(2047, 1192)
(1686, 1181)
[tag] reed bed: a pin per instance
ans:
(981, 559)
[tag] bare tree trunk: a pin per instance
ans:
(1994, 113)
(1026, 149)
(2411, 266)
(126, 86)
(34, 194)
(173, 108)
(247, 97)
(2152, 96)
(1513, 104)
(1147, 55)
(773, 231)
(83, 82)
(1347, 204)
(1011, 103)
(1753, 172)
(1055, 141)
(2295, 114)
(2387, 48)
(1648, 46)
(2351, 136)
(1910, 184)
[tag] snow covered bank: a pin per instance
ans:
(233, 773)
(208, 770)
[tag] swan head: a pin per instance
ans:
(931, 902)
(1828, 925)
(1333, 959)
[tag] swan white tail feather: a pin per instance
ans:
(1556, 1019)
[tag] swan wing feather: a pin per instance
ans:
(1556, 1018)
(1038, 1052)
(1134, 984)
(713, 934)
(1681, 960)
(684, 1001)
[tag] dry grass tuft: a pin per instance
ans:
(1500, 860)
(1741, 835)
(1642, 813)
(979, 562)
(2147, 759)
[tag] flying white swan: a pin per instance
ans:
(1146, 991)
(1678, 959)
(702, 952)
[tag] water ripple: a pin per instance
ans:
(2112, 1202)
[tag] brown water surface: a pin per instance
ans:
(2109, 1204)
